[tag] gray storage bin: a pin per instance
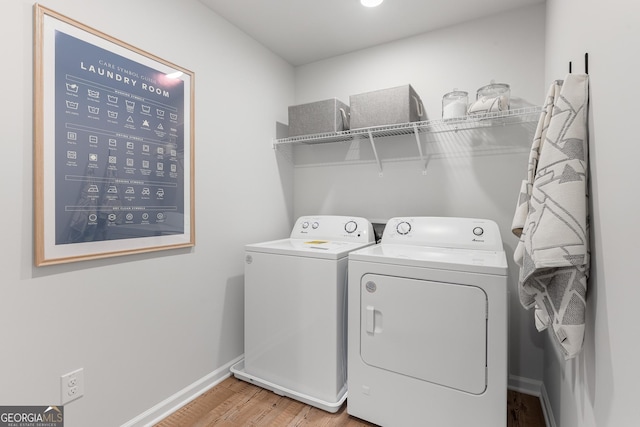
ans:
(386, 107)
(329, 115)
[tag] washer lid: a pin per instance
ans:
(473, 261)
(325, 249)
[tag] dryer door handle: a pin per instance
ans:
(370, 319)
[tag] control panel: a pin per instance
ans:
(332, 227)
(463, 233)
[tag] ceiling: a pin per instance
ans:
(304, 31)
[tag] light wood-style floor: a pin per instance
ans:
(237, 403)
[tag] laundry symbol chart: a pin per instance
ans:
(106, 132)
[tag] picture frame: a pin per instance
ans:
(113, 146)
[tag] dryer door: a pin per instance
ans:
(430, 331)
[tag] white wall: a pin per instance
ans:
(145, 326)
(473, 175)
(599, 388)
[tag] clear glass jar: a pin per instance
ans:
(501, 92)
(454, 104)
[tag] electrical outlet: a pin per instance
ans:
(71, 386)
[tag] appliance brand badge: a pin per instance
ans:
(370, 287)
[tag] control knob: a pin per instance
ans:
(305, 225)
(403, 228)
(478, 231)
(350, 227)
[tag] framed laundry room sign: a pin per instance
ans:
(113, 146)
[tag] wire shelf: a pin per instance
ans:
(519, 115)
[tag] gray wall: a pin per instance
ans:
(599, 387)
(160, 322)
(143, 327)
(474, 174)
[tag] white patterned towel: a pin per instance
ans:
(551, 216)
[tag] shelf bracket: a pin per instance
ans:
(422, 158)
(375, 152)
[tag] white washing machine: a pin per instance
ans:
(428, 325)
(296, 310)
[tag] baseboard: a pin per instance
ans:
(534, 388)
(546, 407)
(181, 398)
(525, 385)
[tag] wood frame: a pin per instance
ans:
(113, 146)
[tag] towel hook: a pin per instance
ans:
(586, 64)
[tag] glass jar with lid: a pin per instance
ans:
(454, 104)
(499, 93)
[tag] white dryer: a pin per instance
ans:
(428, 325)
(296, 310)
